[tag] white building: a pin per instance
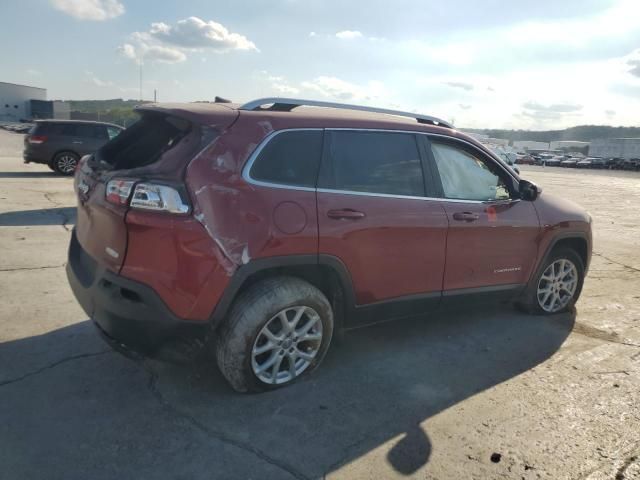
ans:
(615, 148)
(15, 101)
(561, 144)
(526, 145)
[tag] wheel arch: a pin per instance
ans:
(577, 241)
(63, 150)
(325, 272)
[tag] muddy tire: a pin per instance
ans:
(557, 285)
(278, 331)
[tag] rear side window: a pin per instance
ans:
(113, 132)
(62, 129)
(375, 162)
(290, 158)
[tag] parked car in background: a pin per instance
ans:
(260, 231)
(570, 162)
(553, 161)
(525, 160)
(61, 143)
(631, 164)
(615, 163)
(585, 163)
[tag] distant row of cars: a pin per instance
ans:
(568, 161)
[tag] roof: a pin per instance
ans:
(56, 120)
(21, 85)
(217, 114)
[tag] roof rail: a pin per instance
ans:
(277, 104)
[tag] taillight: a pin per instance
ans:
(37, 139)
(146, 196)
(119, 191)
(151, 196)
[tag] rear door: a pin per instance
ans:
(374, 216)
(492, 241)
(88, 138)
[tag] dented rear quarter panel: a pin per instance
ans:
(247, 221)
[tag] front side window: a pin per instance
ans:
(290, 158)
(467, 177)
(374, 162)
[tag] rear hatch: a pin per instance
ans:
(157, 148)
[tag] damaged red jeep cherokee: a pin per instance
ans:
(262, 230)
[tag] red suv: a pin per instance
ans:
(264, 229)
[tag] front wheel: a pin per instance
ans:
(558, 284)
(277, 331)
(65, 163)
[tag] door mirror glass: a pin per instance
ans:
(528, 190)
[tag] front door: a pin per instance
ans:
(492, 241)
(374, 216)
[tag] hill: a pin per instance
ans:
(116, 110)
(582, 133)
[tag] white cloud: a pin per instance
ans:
(34, 73)
(336, 88)
(462, 85)
(279, 84)
(194, 32)
(172, 44)
(145, 52)
(128, 51)
(91, 78)
(97, 10)
(349, 34)
(312, 34)
(157, 53)
(634, 63)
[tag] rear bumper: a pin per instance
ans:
(29, 157)
(130, 315)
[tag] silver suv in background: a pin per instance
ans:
(61, 143)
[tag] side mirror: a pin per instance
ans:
(528, 190)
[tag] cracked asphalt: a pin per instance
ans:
(491, 394)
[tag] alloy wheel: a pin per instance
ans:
(66, 164)
(286, 345)
(557, 285)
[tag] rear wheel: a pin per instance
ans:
(277, 331)
(558, 285)
(65, 163)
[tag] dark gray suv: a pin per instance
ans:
(60, 143)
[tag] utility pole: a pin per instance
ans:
(155, 95)
(140, 79)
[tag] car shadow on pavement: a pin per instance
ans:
(42, 216)
(37, 174)
(104, 416)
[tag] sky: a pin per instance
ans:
(539, 64)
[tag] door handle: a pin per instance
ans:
(347, 213)
(76, 142)
(466, 216)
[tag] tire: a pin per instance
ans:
(256, 322)
(65, 163)
(534, 297)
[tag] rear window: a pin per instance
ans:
(84, 130)
(144, 142)
(290, 158)
(374, 162)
